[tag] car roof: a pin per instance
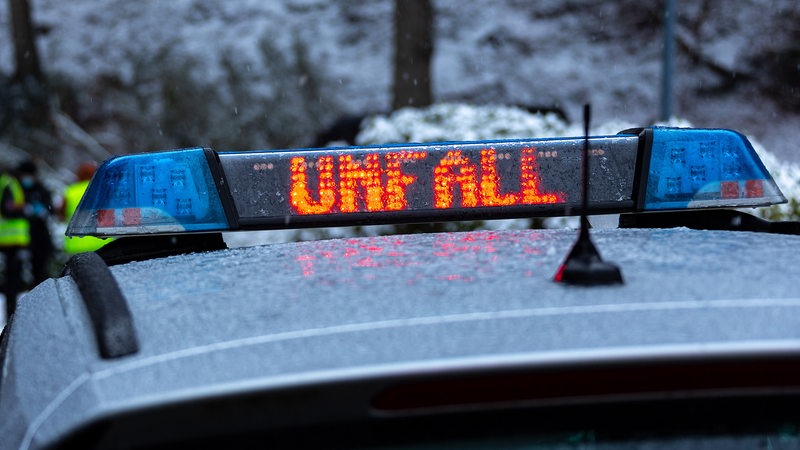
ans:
(213, 343)
(267, 317)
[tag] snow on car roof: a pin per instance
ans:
(449, 281)
(234, 319)
(315, 285)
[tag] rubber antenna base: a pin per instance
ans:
(585, 267)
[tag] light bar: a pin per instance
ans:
(198, 190)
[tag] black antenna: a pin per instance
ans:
(584, 265)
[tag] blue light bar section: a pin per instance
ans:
(150, 193)
(700, 168)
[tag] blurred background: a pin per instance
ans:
(92, 78)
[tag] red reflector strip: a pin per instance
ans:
(729, 189)
(131, 216)
(754, 188)
(105, 218)
(109, 218)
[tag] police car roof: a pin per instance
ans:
(326, 331)
(302, 314)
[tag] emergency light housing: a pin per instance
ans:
(199, 190)
(696, 168)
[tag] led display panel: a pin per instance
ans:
(444, 181)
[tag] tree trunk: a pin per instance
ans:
(23, 36)
(413, 41)
(27, 86)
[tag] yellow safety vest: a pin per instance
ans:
(14, 232)
(73, 245)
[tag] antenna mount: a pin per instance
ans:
(583, 265)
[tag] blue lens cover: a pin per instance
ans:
(697, 168)
(150, 193)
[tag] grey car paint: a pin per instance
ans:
(302, 313)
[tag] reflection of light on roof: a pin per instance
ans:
(469, 252)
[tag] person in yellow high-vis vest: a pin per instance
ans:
(14, 236)
(72, 196)
(38, 208)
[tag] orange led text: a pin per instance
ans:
(379, 182)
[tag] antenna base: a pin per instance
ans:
(585, 267)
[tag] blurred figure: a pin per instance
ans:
(72, 196)
(38, 207)
(14, 237)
